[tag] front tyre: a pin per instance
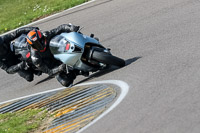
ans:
(107, 58)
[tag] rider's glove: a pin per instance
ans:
(46, 33)
(22, 65)
(73, 27)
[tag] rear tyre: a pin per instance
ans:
(107, 58)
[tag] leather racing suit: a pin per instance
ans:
(8, 59)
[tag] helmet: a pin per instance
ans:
(36, 40)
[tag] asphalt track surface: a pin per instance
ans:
(161, 45)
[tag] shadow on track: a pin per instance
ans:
(131, 60)
(99, 73)
(46, 79)
(106, 71)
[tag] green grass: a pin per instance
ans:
(16, 13)
(22, 122)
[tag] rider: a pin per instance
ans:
(42, 57)
(8, 60)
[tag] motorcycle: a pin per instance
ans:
(79, 52)
(82, 53)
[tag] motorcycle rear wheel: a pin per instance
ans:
(107, 58)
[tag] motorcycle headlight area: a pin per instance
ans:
(71, 46)
(59, 44)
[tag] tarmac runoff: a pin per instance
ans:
(75, 108)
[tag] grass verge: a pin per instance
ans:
(16, 13)
(23, 122)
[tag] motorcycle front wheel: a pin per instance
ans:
(107, 58)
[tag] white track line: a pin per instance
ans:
(50, 16)
(124, 90)
(32, 95)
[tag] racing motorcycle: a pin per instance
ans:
(83, 53)
(79, 52)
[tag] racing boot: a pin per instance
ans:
(66, 79)
(38, 73)
(26, 74)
